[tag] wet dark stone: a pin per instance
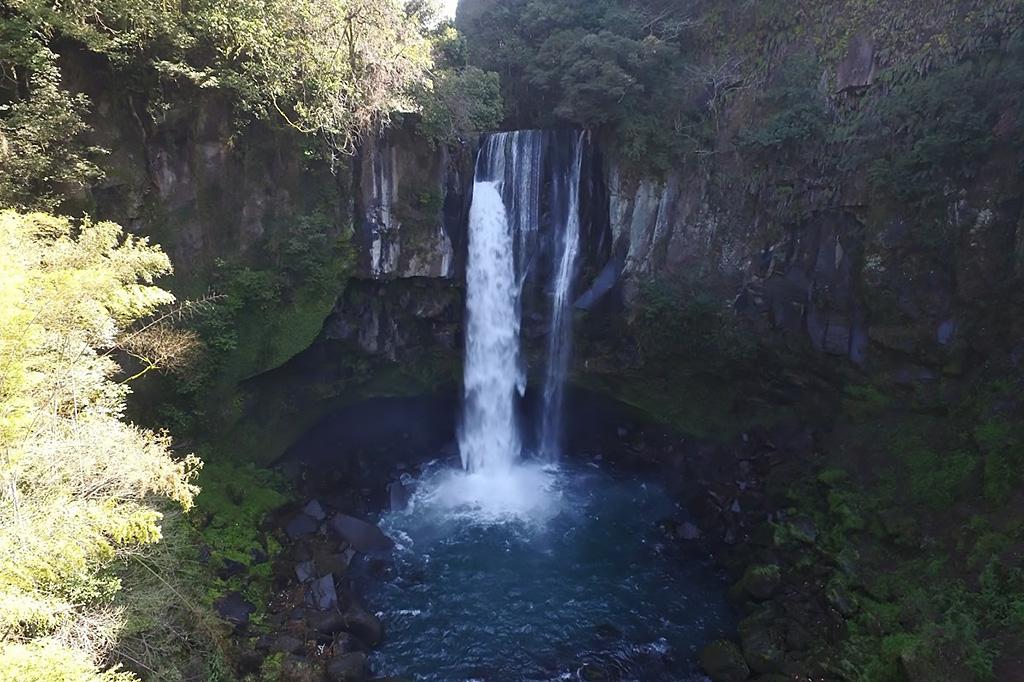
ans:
(249, 662)
(304, 571)
(759, 582)
(233, 608)
(364, 625)
(333, 562)
(593, 673)
(608, 631)
(364, 537)
(231, 568)
(398, 496)
(298, 669)
(804, 530)
(723, 662)
(348, 668)
(300, 526)
(280, 644)
(688, 531)
(346, 643)
(327, 622)
(314, 510)
(321, 594)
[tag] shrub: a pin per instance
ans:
(82, 489)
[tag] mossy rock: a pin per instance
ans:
(762, 642)
(759, 582)
(900, 529)
(723, 662)
(799, 530)
(298, 669)
(841, 598)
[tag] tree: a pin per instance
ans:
(330, 67)
(603, 64)
(461, 101)
(41, 157)
(80, 489)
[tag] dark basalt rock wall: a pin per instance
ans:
(181, 172)
(399, 318)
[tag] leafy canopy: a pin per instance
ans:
(602, 64)
(80, 489)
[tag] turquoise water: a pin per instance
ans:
(573, 583)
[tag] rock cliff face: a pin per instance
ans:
(412, 202)
(181, 173)
(411, 205)
(847, 278)
(828, 282)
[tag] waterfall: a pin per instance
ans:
(489, 438)
(524, 225)
(514, 161)
(560, 338)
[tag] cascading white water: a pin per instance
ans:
(560, 339)
(489, 439)
(513, 161)
(505, 242)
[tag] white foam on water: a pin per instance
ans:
(525, 493)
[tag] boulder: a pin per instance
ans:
(346, 643)
(280, 644)
(327, 623)
(314, 510)
(298, 669)
(362, 536)
(804, 530)
(688, 531)
(350, 667)
(300, 526)
(233, 608)
(593, 673)
(759, 582)
(398, 496)
(230, 568)
(304, 571)
(364, 625)
(723, 662)
(333, 562)
(763, 646)
(840, 597)
(321, 594)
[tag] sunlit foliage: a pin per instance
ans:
(80, 489)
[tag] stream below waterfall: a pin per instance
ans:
(576, 584)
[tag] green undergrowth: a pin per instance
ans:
(917, 512)
(696, 404)
(254, 320)
(234, 502)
